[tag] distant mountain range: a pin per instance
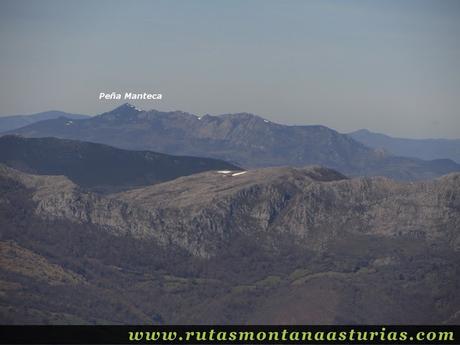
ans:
(99, 167)
(8, 123)
(419, 148)
(243, 139)
(268, 246)
(97, 234)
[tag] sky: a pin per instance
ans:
(388, 66)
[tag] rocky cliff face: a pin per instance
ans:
(279, 245)
(203, 212)
(312, 204)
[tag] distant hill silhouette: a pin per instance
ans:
(99, 166)
(8, 123)
(420, 148)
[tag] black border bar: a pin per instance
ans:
(215, 334)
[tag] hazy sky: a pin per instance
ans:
(390, 66)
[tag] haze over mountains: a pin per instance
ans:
(277, 245)
(8, 123)
(420, 148)
(244, 139)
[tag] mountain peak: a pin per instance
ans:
(127, 106)
(122, 111)
(361, 130)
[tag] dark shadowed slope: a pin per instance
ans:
(8, 123)
(419, 148)
(246, 139)
(99, 166)
(279, 245)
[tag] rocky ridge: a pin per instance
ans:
(203, 212)
(279, 245)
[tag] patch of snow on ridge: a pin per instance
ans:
(239, 173)
(133, 107)
(224, 172)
